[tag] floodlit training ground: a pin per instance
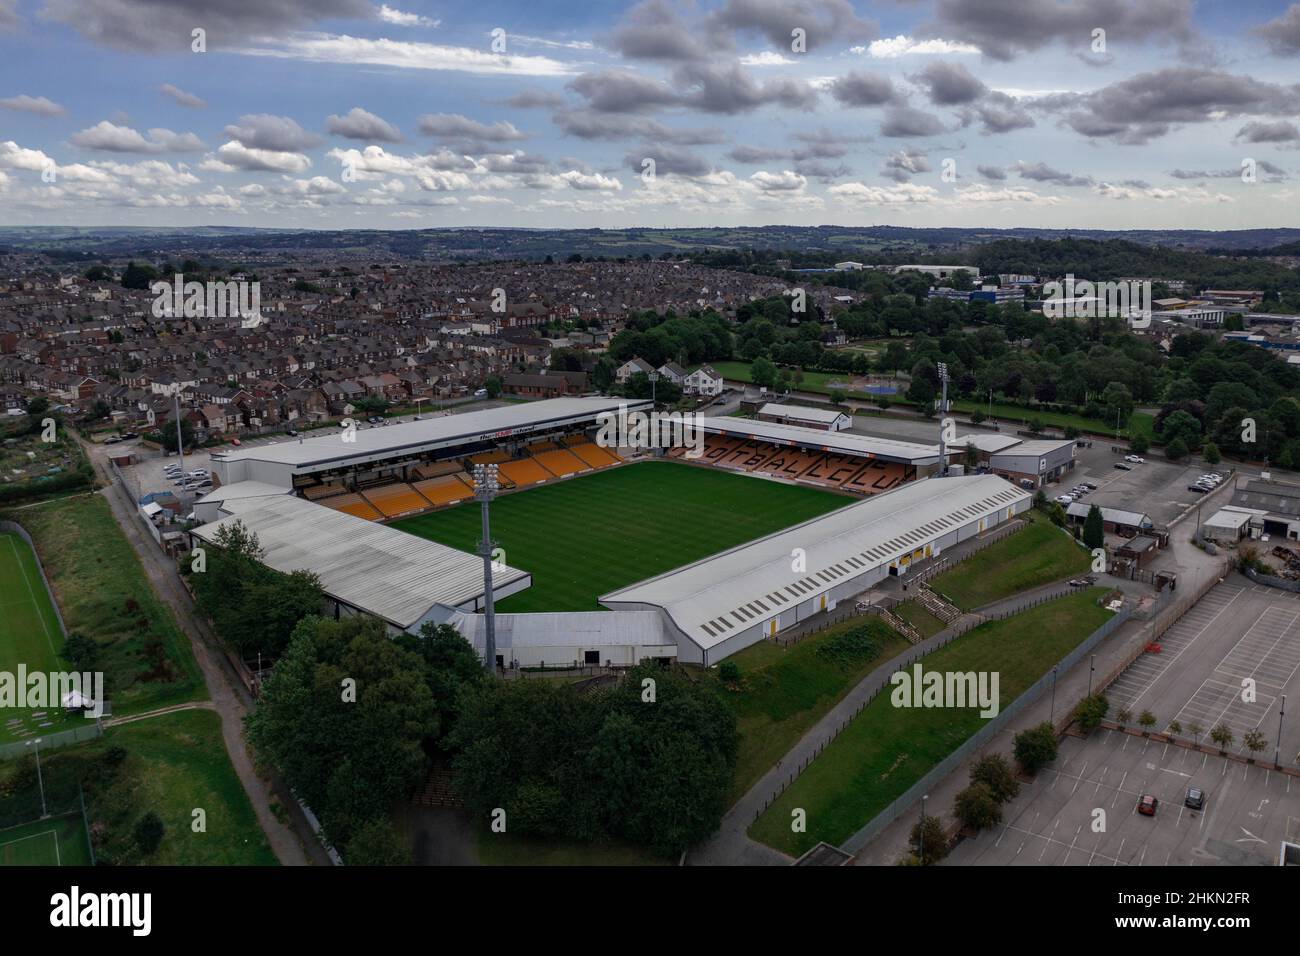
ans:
(29, 634)
(586, 536)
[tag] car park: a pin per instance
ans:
(1195, 799)
(1147, 805)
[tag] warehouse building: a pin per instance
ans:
(571, 638)
(724, 603)
(1039, 461)
(825, 419)
(1276, 506)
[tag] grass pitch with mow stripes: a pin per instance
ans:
(29, 634)
(586, 536)
(58, 841)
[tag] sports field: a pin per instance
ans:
(58, 841)
(29, 634)
(584, 537)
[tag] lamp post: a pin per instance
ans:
(943, 409)
(921, 832)
(1092, 666)
(40, 781)
(1053, 712)
(486, 486)
(654, 377)
(180, 441)
(1277, 750)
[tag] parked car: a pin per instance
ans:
(1089, 485)
(1135, 459)
(1199, 489)
(1064, 500)
(112, 440)
(1195, 799)
(1123, 467)
(127, 436)
(1147, 805)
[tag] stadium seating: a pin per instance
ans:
(490, 457)
(876, 477)
(595, 456)
(317, 492)
(445, 490)
(396, 500)
(561, 462)
(831, 470)
(524, 472)
(717, 447)
(436, 470)
(789, 463)
(541, 446)
(354, 505)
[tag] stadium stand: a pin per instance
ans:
(561, 462)
(396, 500)
(317, 492)
(598, 457)
(436, 470)
(490, 457)
(524, 472)
(354, 505)
(878, 476)
(446, 490)
(789, 463)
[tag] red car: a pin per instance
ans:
(1147, 805)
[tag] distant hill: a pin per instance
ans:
(465, 244)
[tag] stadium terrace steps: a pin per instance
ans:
(490, 457)
(446, 490)
(561, 462)
(524, 472)
(432, 470)
(597, 457)
(317, 492)
(354, 505)
(396, 500)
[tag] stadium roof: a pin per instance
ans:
(715, 598)
(375, 444)
(242, 489)
(567, 629)
(987, 441)
(802, 412)
(845, 443)
(388, 573)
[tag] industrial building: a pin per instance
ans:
(1038, 461)
(826, 419)
(1273, 505)
(724, 603)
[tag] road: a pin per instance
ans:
(294, 845)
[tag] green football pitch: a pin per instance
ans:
(586, 536)
(29, 634)
(58, 841)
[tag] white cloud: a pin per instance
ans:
(892, 48)
(332, 48)
(111, 138)
(38, 105)
(900, 194)
(235, 155)
(398, 18)
(766, 58)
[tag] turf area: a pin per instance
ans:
(58, 841)
(886, 749)
(29, 635)
(1038, 555)
(926, 624)
(783, 691)
(584, 537)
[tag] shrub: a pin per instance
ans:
(1036, 747)
(1090, 712)
(728, 672)
(977, 808)
(148, 833)
(994, 771)
(934, 846)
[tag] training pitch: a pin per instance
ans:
(56, 841)
(29, 634)
(586, 536)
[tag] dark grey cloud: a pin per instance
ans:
(1146, 106)
(361, 124)
(9, 19)
(1003, 29)
(904, 164)
(753, 154)
(652, 30)
(455, 128)
(1255, 131)
(277, 133)
(591, 125)
(907, 121)
(995, 173)
(950, 84)
(1283, 34)
(156, 26)
(669, 161)
(822, 172)
(1261, 165)
(865, 89)
(620, 91)
(188, 100)
(823, 21)
(730, 90)
(521, 163)
(1000, 113)
(535, 99)
(1042, 173)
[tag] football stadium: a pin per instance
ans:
(610, 554)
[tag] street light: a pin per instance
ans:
(40, 781)
(1053, 714)
(921, 838)
(1277, 751)
(486, 486)
(1092, 666)
(943, 410)
(654, 377)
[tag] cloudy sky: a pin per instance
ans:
(347, 113)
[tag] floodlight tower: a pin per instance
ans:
(943, 410)
(486, 487)
(180, 440)
(654, 378)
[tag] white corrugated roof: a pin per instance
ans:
(413, 437)
(803, 412)
(847, 443)
(386, 572)
(716, 598)
(566, 629)
(243, 489)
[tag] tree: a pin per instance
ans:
(602, 376)
(1036, 747)
(995, 772)
(1211, 453)
(493, 385)
(837, 396)
(977, 808)
(762, 372)
(1123, 716)
(1094, 530)
(1222, 735)
(1195, 729)
(1138, 444)
(1175, 728)
(80, 651)
(148, 833)
(1176, 449)
(928, 841)
(138, 276)
(38, 406)
(343, 717)
(377, 843)
(1146, 720)
(1090, 712)
(1254, 741)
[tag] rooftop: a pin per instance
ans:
(847, 443)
